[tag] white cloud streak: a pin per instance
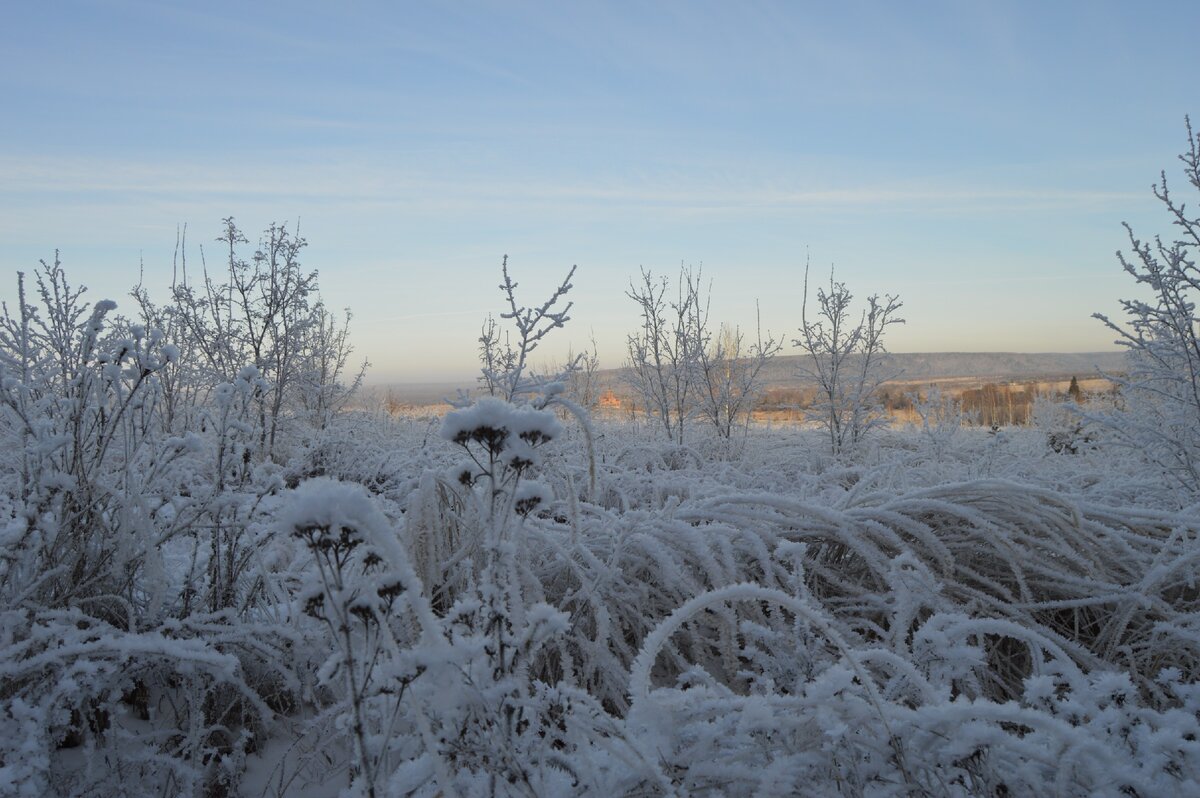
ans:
(78, 180)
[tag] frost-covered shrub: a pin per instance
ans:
(846, 360)
(1067, 430)
(266, 313)
(136, 614)
(941, 419)
(80, 404)
(1161, 387)
(680, 370)
(504, 364)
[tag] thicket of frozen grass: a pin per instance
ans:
(499, 603)
(928, 617)
(758, 616)
(506, 601)
(215, 581)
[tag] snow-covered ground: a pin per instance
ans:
(217, 580)
(962, 612)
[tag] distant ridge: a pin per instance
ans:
(784, 370)
(1006, 364)
(913, 367)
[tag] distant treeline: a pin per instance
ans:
(991, 404)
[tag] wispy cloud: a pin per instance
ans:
(79, 179)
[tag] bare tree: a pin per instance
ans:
(266, 314)
(584, 380)
(505, 365)
(1162, 385)
(665, 353)
(680, 370)
(847, 360)
(258, 317)
(731, 376)
(326, 381)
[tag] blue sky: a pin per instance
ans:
(976, 159)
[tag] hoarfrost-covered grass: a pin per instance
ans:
(758, 617)
(502, 602)
(216, 581)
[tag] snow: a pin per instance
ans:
(592, 610)
(512, 422)
(741, 624)
(332, 504)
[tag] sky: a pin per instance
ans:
(977, 159)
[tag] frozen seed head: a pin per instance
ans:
(314, 604)
(497, 425)
(390, 590)
(531, 495)
(329, 538)
(329, 515)
(464, 476)
(519, 455)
